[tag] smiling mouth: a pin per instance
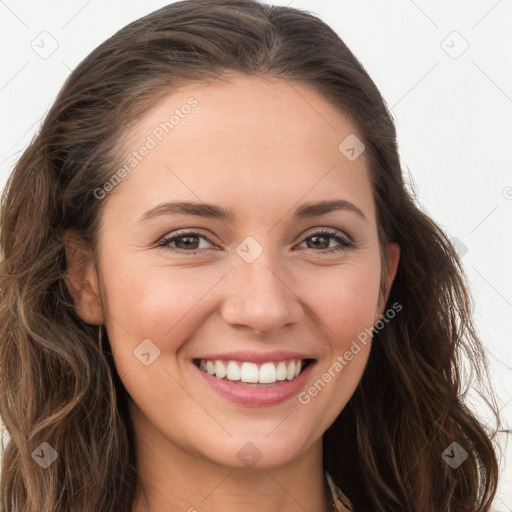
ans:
(244, 372)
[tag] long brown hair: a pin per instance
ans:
(59, 386)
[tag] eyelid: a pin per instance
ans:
(332, 231)
(182, 233)
(346, 241)
(343, 239)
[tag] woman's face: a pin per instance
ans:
(261, 287)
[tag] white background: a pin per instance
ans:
(452, 111)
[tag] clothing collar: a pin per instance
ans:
(340, 502)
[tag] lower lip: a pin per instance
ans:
(252, 396)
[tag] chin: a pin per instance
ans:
(259, 451)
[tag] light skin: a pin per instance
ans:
(261, 148)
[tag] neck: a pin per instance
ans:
(174, 480)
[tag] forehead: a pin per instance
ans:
(249, 140)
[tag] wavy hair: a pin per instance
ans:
(58, 385)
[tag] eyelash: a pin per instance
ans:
(345, 242)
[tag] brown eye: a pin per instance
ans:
(322, 239)
(319, 242)
(186, 242)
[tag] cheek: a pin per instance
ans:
(156, 302)
(344, 300)
(344, 306)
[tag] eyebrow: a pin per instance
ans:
(218, 212)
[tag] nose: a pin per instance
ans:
(259, 298)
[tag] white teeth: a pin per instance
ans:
(233, 372)
(298, 366)
(266, 373)
(281, 371)
(290, 371)
(249, 372)
(210, 367)
(220, 369)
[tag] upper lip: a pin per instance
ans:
(255, 357)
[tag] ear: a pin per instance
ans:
(393, 254)
(82, 280)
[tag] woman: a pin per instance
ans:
(217, 293)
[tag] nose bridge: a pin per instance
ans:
(259, 295)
